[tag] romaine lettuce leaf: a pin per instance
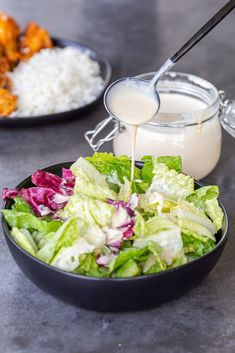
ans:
(24, 239)
(125, 190)
(139, 255)
(139, 228)
(147, 170)
(214, 211)
(89, 267)
(40, 238)
(172, 162)
(114, 168)
(89, 180)
(140, 186)
(171, 184)
(192, 219)
(21, 205)
(93, 190)
(128, 269)
(191, 227)
(154, 263)
(196, 246)
(29, 221)
(199, 196)
(162, 231)
(152, 202)
(205, 198)
(91, 210)
(90, 173)
(67, 258)
(74, 238)
(65, 236)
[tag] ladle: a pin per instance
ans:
(137, 83)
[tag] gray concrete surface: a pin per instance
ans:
(136, 36)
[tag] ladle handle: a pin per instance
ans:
(203, 30)
(193, 40)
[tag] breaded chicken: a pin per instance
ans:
(8, 102)
(4, 65)
(34, 39)
(9, 38)
(5, 81)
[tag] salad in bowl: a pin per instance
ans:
(94, 221)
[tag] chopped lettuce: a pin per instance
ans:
(147, 170)
(205, 198)
(94, 221)
(172, 162)
(125, 190)
(196, 246)
(89, 172)
(199, 196)
(21, 205)
(191, 219)
(23, 238)
(171, 184)
(162, 231)
(214, 211)
(89, 267)
(114, 168)
(64, 237)
(40, 238)
(29, 221)
(128, 269)
(91, 210)
(74, 238)
(139, 255)
(83, 185)
(152, 202)
(154, 263)
(139, 227)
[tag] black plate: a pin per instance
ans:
(114, 294)
(105, 69)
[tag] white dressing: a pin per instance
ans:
(199, 145)
(133, 104)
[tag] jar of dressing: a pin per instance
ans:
(188, 124)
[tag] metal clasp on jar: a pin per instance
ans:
(227, 113)
(92, 135)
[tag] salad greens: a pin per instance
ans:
(95, 222)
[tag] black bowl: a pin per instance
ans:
(105, 70)
(114, 294)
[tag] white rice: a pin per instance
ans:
(55, 80)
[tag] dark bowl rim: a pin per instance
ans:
(221, 242)
(99, 59)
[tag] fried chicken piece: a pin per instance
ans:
(5, 81)
(8, 102)
(4, 65)
(34, 39)
(9, 38)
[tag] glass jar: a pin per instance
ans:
(192, 130)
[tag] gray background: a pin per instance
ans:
(136, 36)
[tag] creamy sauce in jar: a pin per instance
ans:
(199, 144)
(179, 104)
